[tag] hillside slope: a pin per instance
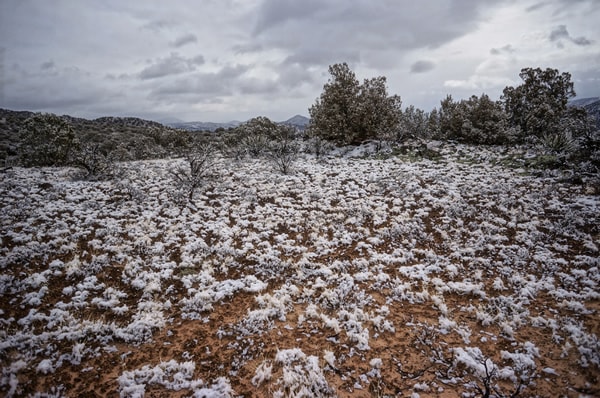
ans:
(127, 138)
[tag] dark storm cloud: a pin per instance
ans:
(422, 66)
(319, 33)
(172, 65)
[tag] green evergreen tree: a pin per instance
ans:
(47, 140)
(538, 105)
(349, 113)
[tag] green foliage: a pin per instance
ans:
(538, 105)
(47, 140)
(252, 137)
(262, 137)
(560, 142)
(478, 120)
(433, 124)
(567, 136)
(414, 123)
(332, 115)
(349, 113)
(377, 114)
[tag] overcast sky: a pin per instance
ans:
(221, 60)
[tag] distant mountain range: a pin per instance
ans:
(583, 102)
(203, 126)
(300, 122)
(591, 105)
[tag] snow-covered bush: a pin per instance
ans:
(283, 149)
(301, 375)
(200, 163)
(47, 140)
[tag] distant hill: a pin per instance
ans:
(300, 122)
(203, 126)
(583, 102)
(128, 137)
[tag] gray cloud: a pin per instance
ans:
(277, 12)
(560, 33)
(172, 65)
(311, 56)
(158, 24)
(185, 39)
(536, 6)
(355, 30)
(422, 66)
(54, 89)
(84, 58)
(47, 65)
(259, 86)
(507, 49)
(191, 88)
(581, 41)
(199, 86)
(294, 75)
(247, 48)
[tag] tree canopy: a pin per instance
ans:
(348, 112)
(538, 105)
(47, 140)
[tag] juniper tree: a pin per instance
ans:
(47, 140)
(348, 112)
(332, 117)
(414, 123)
(378, 115)
(250, 138)
(477, 120)
(538, 105)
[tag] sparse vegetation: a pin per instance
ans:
(47, 140)
(433, 267)
(353, 275)
(284, 148)
(199, 166)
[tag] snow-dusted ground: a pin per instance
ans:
(351, 277)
